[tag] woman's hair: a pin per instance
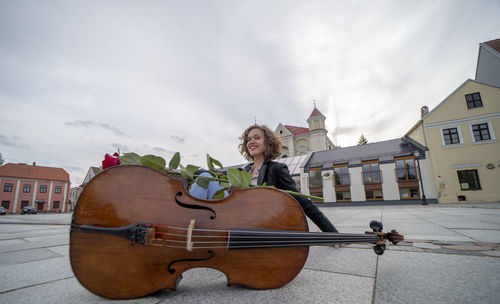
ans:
(272, 143)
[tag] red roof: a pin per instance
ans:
(495, 44)
(316, 113)
(33, 172)
(297, 130)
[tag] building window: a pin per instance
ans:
(56, 205)
(24, 204)
(481, 132)
(409, 193)
(58, 189)
(405, 169)
(343, 196)
(7, 187)
(315, 179)
(341, 176)
(43, 189)
(371, 173)
(27, 188)
(451, 136)
(375, 194)
(469, 180)
(6, 204)
(473, 100)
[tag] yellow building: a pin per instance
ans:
(464, 151)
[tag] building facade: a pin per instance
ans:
(45, 188)
(75, 192)
(393, 170)
(460, 134)
(300, 140)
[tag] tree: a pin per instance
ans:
(362, 140)
(1, 159)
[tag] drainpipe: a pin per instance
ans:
(416, 154)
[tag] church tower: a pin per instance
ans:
(300, 141)
(317, 131)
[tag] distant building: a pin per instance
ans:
(460, 134)
(74, 194)
(300, 140)
(76, 191)
(45, 188)
(93, 171)
(392, 170)
(488, 63)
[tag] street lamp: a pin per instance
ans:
(424, 200)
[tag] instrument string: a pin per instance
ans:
(270, 241)
(244, 245)
(261, 233)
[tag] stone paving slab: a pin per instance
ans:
(342, 260)
(409, 277)
(33, 273)
(489, 236)
(18, 257)
(308, 287)
(62, 291)
(421, 269)
(32, 231)
(63, 240)
(60, 250)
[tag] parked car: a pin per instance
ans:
(28, 210)
(2, 210)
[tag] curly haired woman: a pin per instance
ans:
(260, 145)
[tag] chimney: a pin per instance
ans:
(423, 111)
(34, 164)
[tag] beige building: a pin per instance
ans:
(300, 140)
(460, 134)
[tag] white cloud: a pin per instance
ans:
(78, 79)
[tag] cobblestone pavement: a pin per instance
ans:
(451, 254)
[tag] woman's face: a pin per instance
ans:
(255, 142)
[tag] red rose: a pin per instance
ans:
(110, 161)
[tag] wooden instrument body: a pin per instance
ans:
(111, 267)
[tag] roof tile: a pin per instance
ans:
(495, 44)
(297, 130)
(34, 172)
(316, 113)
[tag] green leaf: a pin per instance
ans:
(246, 179)
(219, 194)
(217, 163)
(153, 161)
(234, 177)
(130, 159)
(210, 164)
(224, 184)
(175, 161)
(185, 172)
(202, 182)
(192, 169)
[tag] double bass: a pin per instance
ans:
(135, 230)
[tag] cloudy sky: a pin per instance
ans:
(79, 79)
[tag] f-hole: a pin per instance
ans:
(179, 194)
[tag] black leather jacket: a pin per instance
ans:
(277, 175)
